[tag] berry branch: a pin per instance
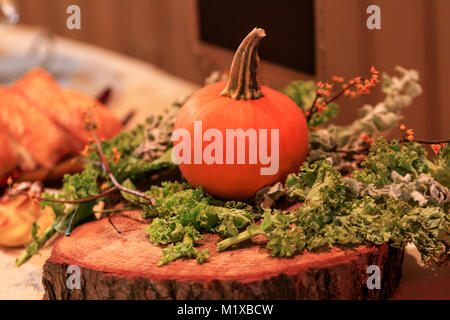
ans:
(408, 136)
(354, 88)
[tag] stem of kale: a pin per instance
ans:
(39, 243)
(243, 236)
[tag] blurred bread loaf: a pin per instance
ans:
(42, 124)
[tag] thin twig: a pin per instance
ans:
(124, 216)
(116, 210)
(312, 109)
(112, 224)
(430, 141)
(131, 218)
(340, 93)
(112, 189)
(130, 115)
(108, 171)
(353, 152)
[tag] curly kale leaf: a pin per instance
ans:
(384, 157)
(162, 231)
(182, 213)
(315, 183)
(194, 207)
(336, 212)
(75, 187)
(286, 239)
(183, 249)
(440, 166)
(302, 93)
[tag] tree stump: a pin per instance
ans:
(124, 266)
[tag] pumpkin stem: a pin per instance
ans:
(243, 82)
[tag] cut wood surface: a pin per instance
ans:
(124, 266)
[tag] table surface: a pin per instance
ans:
(147, 90)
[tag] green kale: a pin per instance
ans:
(85, 184)
(181, 213)
(184, 249)
(332, 215)
(440, 166)
(162, 231)
(302, 93)
(384, 157)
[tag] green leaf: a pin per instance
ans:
(302, 93)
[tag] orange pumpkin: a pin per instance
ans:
(239, 104)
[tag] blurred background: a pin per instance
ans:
(307, 39)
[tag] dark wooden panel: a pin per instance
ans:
(288, 23)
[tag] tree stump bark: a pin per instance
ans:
(123, 266)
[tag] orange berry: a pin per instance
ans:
(320, 84)
(402, 127)
(410, 132)
(364, 137)
(436, 148)
(337, 79)
(9, 181)
(85, 152)
(410, 138)
(373, 70)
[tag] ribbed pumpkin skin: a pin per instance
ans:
(273, 111)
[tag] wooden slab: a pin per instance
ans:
(123, 266)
